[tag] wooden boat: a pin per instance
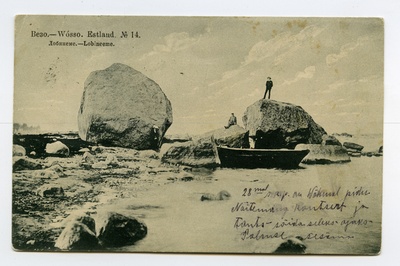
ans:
(260, 158)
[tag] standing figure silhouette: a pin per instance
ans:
(268, 87)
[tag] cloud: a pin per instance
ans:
(172, 43)
(281, 45)
(331, 59)
(266, 54)
(308, 73)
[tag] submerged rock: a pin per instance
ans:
(293, 245)
(276, 124)
(116, 230)
(122, 107)
(185, 176)
(324, 154)
(222, 195)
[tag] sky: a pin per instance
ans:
(209, 67)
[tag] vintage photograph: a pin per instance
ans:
(174, 134)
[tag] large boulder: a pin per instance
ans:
(276, 124)
(122, 107)
(201, 152)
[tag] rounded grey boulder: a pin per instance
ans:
(275, 125)
(122, 107)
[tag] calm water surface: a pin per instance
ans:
(178, 221)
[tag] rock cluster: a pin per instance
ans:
(201, 152)
(109, 229)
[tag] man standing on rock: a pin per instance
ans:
(268, 87)
(232, 121)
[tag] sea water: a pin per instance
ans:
(335, 208)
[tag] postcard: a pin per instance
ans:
(250, 135)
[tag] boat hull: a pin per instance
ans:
(260, 158)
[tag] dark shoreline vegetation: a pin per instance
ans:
(35, 144)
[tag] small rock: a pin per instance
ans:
(149, 154)
(330, 140)
(18, 150)
(185, 168)
(50, 191)
(46, 174)
(100, 165)
(354, 154)
(89, 158)
(97, 149)
(118, 172)
(354, 146)
(79, 234)
(349, 150)
(185, 176)
(380, 149)
(55, 166)
(57, 148)
(83, 150)
(112, 160)
(368, 154)
(25, 164)
(31, 242)
(343, 135)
